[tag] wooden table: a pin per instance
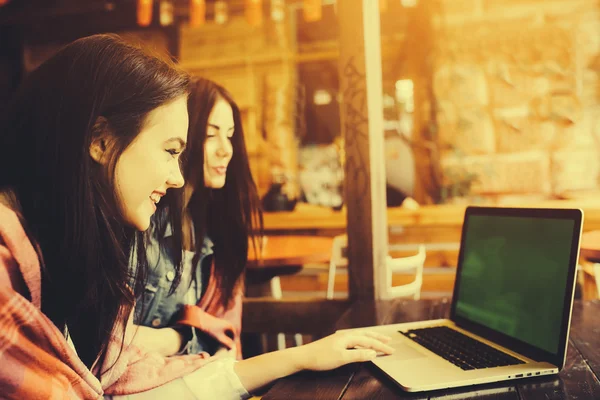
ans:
(284, 255)
(590, 251)
(290, 250)
(590, 246)
(578, 380)
(312, 218)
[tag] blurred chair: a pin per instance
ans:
(597, 275)
(338, 259)
(277, 294)
(412, 263)
(402, 264)
(282, 255)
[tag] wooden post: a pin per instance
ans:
(362, 129)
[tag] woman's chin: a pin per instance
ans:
(140, 222)
(216, 183)
(142, 225)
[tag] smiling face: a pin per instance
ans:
(218, 149)
(150, 164)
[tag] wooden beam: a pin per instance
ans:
(307, 316)
(362, 127)
(260, 59)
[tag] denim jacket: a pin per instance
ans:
(157, 309)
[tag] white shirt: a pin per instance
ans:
(215, 380)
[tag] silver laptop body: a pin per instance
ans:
(514, 292)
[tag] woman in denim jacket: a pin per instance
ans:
(198, 247)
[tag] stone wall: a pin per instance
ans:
(517, 93)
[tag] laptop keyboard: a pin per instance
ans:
(461, 350)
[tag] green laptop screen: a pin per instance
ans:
(514, 275)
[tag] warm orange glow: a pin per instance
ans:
(165, 15)
(254, 12)
(3, 2)
(313, 10)
(221, 12)
(383, 5)
(197, 12)
(277, 10)
(144, 12)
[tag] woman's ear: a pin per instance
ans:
(101, 139)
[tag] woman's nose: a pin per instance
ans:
(225, 148)
(176, 178)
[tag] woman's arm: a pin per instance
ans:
(325, 354)
(165, 341)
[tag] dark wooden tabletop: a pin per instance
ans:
(578, 380)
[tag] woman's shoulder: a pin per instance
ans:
(19, 262)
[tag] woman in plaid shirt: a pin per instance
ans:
(89, 145)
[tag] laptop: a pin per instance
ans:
(511, 306)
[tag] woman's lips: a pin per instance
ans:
(155, 199)
(220, 170)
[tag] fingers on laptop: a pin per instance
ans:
(368, 344)
(377, 335)
(359, 355)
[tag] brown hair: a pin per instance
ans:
(228, 216)
(68, 201)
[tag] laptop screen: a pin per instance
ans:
(514, 275)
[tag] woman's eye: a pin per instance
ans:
(174, 152)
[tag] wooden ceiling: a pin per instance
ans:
(40, 21)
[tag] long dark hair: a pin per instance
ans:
(68, 201)
(230, 215)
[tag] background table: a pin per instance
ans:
(590, 252)
(283, 255)
(590, 245)
(290, 250)
(578, 380)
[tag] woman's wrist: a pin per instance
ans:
(299, 357)
(256, 372)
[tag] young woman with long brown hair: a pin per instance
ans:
(88, 147)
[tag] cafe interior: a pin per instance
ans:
(370, 127)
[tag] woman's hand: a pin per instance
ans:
(342, 348)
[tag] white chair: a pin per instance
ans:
(338, 259)
(416, 263)
(401, 264)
